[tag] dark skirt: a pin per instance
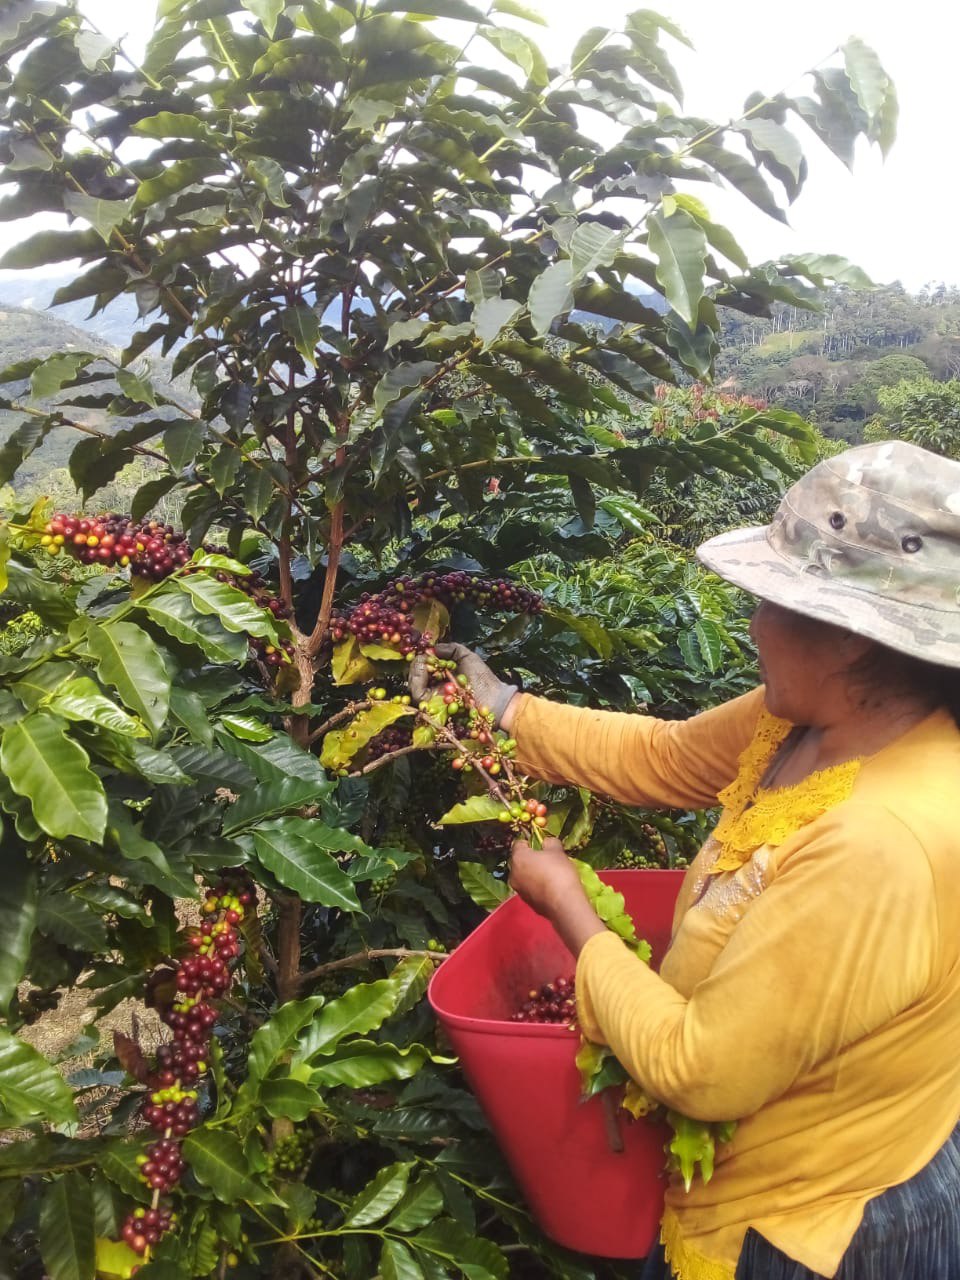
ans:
(911, 1232)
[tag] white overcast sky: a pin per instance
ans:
(897, 220)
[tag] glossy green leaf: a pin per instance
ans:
(291, 1099)
(57, 371)
(67, 1229)
(46, 247)
(71, 922)
(521, 50)
(30, 1088)
(103, 215)
(248, 728)
(232, 608)
(551, 295)
(277, 1036)
(19, 445)
(483, 888)
(421, 1204)
(258, 491)
(401, 378)
(217, 1160)
(47, 767)
(18, 918)
(174, 611)
(719, 237)
(680, 247)
(482, 808)
(867, 77)
(129, 660)
(127, 838)
(361, 1010)
(180, 174)
(410, 979)
(272, 798)
(398, 1263)
(303, 325)
(492, 315)
(594, 245)
(171, 124)
(79, 699)
(286, 848)
(772, 139)
(381, 1194)
(482, 284)
(361, 1063)
(149, 494)
(267, 11)
(110, 900)
(478, 1258)
(187, 709)
(182, 441)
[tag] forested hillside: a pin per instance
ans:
(30, 333)
(830, 365)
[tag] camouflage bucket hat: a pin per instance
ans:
(869, 541)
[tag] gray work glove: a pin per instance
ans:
(488, 689)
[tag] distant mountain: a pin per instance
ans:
(119, 319)
(35, 292)
(26, 333)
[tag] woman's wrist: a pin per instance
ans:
(576, 922)
(510, 713)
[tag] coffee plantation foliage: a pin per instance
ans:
(410, 300)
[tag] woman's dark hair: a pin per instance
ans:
(882, 667)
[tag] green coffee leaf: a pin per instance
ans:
(31, 1089)
(381, 1194)
(129, 660)
(18, 918)
(216, 1159)
(485, 889)
(362, 1009)
(291, 1099)
(47, 767)
(66, 1236)
(482, 808)
(301, 863)
(277, 1036)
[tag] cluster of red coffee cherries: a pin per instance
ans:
(554, 1002)
(394, 738)
(172, 1106)
(387, 616)
(145, 1227)
(483, 747)
(150, 549)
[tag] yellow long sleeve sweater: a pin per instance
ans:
(811, 993)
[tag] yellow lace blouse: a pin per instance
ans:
(812, 988)
(753, 815)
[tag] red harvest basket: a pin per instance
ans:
(583, 1194)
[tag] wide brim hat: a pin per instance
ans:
(868, 540)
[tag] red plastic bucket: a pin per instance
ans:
(583, 1194)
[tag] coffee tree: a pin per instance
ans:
(404, 290)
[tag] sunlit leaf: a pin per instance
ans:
(47, 767)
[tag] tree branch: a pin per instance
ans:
(347, 713)
(394, 755)
(360, 959)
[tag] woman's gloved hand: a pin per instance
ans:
(488, 689)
